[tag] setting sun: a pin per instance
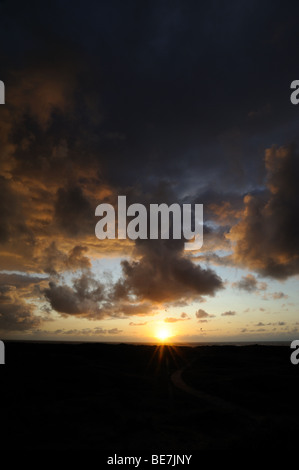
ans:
(163, 334)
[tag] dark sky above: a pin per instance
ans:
(176, 87)
(163, 101)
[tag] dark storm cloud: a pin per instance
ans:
(52, 260)
(223, 208)
(13, 223)
(266, 238)
(163, 76)
(15, 313)
(90, 298)
(17, 316)
(84, 298)
(158, 273)
(162, 274)
(176, 63)
(19, 280)
(214, 238)
(73, 211)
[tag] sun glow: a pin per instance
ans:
(163, 334)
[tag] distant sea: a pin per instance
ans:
(223, 343)
(149, 343)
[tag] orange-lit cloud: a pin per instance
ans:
(266, 238)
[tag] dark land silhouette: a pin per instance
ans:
(136, 397)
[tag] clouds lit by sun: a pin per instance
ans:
(142, 135)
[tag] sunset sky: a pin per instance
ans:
(161, 101)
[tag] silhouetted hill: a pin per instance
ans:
(117, 397)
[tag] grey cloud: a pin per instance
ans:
(84, 298)
(163, 274)
(266, 238)
(17, 316)
(229, 313)
(250, 284)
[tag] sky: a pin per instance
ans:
(182, 102)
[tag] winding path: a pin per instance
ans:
(215, 402)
